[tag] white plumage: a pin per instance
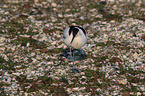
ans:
(74, 37)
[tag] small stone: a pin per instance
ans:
(126, 94)
(143, 38)
(60, 15)
(5, 6)
(2, 49)
(44, 3)
(23, 16)
(3, 20)
(115, 59)
(67, 10)
(46, 30)
(138, 94)
(124, 81)
(115, 7)
(28, 44)
(103, 2)
(36, 1)
(26, 6)
(54, 4)
(142, 10)
(32, 54)
(7, 13)
(2, 39)
(75, 89)
(83, 76)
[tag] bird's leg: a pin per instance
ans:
(71, 54)
(75, 70)
(74, 59)
(70, 51)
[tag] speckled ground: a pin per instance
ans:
(31, 47)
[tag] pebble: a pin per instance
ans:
(124, 81)
(53, 4)
(138, 94)
(33, 54)
(3, 20)
(28, 44)
(26, 6)
(60, 15)
(75, 89)
(5, 6)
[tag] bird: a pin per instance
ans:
(74, 37)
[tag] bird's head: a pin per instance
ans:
(74, 31)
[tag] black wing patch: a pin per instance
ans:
(71, 28)
(84, 31)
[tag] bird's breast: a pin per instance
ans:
(79, 41)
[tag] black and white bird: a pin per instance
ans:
(74, 37)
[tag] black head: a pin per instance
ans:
(72, 27)
(74, 31)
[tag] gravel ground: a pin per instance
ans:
(31, 47)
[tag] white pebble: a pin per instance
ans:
(53, 4)
(32, 54)
(75, 89)
(124, 81)
(5, 6)
(60, 15)
(28, 44)
(138, 94)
